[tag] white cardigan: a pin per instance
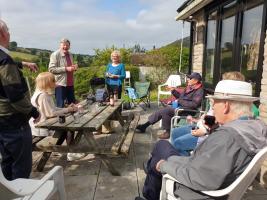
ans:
(46, 106)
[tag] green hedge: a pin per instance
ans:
(83, 76)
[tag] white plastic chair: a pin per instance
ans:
(127, 80)
(31, 189)
(235, 191)
(173, 81)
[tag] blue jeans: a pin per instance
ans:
(16, 150)
(183, 140)
(64, 93)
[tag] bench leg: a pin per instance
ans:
(43, 160)
(46, 155)
(109, 165)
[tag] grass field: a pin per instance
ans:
(23, 56)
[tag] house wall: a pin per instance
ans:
(198, 46)
(197, 63)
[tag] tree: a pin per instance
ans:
(13, 46)
(102, 57)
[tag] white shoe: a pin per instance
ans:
(75, 156)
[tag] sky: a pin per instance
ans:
(92, 24)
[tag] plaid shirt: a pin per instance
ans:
(190, 97)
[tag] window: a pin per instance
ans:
(234, 39)
(210, 47)
(250, 42)
(227, 38)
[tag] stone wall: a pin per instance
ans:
(198, 46)
(143, 71)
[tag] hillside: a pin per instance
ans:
(23, 56)
(177, 43)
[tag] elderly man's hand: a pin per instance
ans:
(158, 165)
(32, 66)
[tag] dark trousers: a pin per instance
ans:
(114, 89)
(16, 150)
(63, 93)
(165, 114)
(152, 186)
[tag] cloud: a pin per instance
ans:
(41, 24)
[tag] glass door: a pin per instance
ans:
(250, 41)
(227, 37)
(210, 47)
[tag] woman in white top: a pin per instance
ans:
(43, 100)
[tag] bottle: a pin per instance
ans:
(76, 117)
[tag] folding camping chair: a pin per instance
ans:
(140, 93)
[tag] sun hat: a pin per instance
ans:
(195, 75)
(233, 90)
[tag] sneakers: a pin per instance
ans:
(139, 198)
(75, 156)
(165, 135)
(141, 128)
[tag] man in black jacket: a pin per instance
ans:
(15, 112)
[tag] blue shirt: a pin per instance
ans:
(116, 70)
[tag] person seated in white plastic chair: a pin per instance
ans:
(221, 158)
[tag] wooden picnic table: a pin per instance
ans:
(90, 120)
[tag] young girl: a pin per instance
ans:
(115, 73)
(43, 100)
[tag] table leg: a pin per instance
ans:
(91, 141)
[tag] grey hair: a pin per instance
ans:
(65, 40)
(241, 108)
(3, 26)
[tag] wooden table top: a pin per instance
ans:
(91, 119)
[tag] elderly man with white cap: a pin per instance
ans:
(221, 158)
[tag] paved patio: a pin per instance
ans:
(89, 179)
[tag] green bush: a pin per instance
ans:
(134, 71)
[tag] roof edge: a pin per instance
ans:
(190, 7)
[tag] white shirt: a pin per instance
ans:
(4, 49)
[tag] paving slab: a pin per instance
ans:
(116, 188)
(89, 179)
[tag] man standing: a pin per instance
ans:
(61, 65)
(221, 158)
(15, 112)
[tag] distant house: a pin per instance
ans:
(229, 35)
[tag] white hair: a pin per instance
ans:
(241, 108)
(115, 52)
